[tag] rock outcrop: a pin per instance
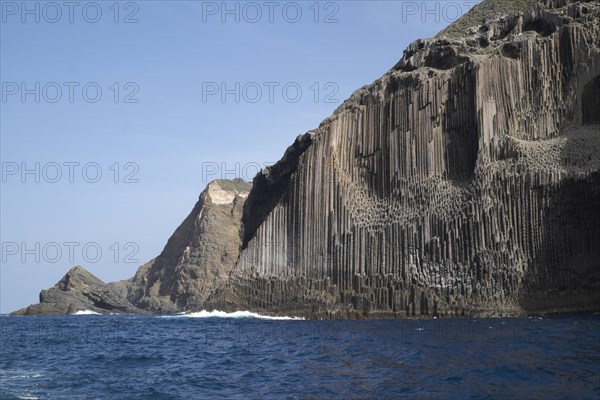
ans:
(198, 257)
(79, 290)
(465, 181)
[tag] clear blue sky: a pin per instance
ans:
(170, 61)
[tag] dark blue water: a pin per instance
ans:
(151, 357)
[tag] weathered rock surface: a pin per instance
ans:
(79, 290)
(465, 181)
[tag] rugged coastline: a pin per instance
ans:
(464, 182)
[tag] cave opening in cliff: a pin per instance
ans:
(590, 102)
(542, 26)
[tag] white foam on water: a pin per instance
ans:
(18, 377)
(235, 314)
(86, 312)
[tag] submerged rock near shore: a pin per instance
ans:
(465, 181)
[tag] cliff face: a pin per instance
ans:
(464, 181)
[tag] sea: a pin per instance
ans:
(244, 355)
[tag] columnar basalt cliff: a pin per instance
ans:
(465, 181)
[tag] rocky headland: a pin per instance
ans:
(464, 182)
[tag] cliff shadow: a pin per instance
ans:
(590, 102)
(563, 273)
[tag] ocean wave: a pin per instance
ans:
(21, 375)
(235, 314)
(86, 312)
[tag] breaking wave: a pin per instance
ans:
(86, 312)
(235, 314)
